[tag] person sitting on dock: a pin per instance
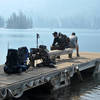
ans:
(60, 41)
(55, 45)
(64, 41)
(74, 43)
(68, 42)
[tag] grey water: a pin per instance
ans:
(89, 41)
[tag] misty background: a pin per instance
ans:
(50, 13)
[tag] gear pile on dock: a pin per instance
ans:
(25, 70)
(20, 60)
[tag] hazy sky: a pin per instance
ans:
(50, 7)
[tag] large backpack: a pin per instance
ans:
(12, 57)
(23, 55)
(13, 64)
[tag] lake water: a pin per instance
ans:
(89, 41)
(11, 38)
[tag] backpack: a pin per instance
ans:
(13, 64)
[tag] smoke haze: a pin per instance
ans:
(51, 8)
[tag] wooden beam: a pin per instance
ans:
(61, 52)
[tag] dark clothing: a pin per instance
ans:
(64, 42)
(57, 44)
(56, 41)
(60, 43)
(56, 47)
(67, 43)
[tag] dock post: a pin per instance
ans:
(78, 73)
(60, 80)
(67, 77)
(70, 55)
(97, 68)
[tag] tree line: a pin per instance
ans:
(21, 21)
(1, 21)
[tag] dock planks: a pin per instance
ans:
(64, 62)
(15, 82)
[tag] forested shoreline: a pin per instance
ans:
(23, 21)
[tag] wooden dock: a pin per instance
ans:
(14, 85)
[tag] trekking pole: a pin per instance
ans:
(37, 43)
(37, 38)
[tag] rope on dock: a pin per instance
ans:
(6, 92)
(10, 94)
(3, 93)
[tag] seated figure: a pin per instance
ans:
(60, 42)
(74, 43)
(55, 45)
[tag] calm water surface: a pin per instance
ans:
(89, 40)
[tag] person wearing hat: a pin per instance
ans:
(56, 39)
(55, 44)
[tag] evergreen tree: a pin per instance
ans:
(1, 22)
(19, 21)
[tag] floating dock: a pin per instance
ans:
(16, 84)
